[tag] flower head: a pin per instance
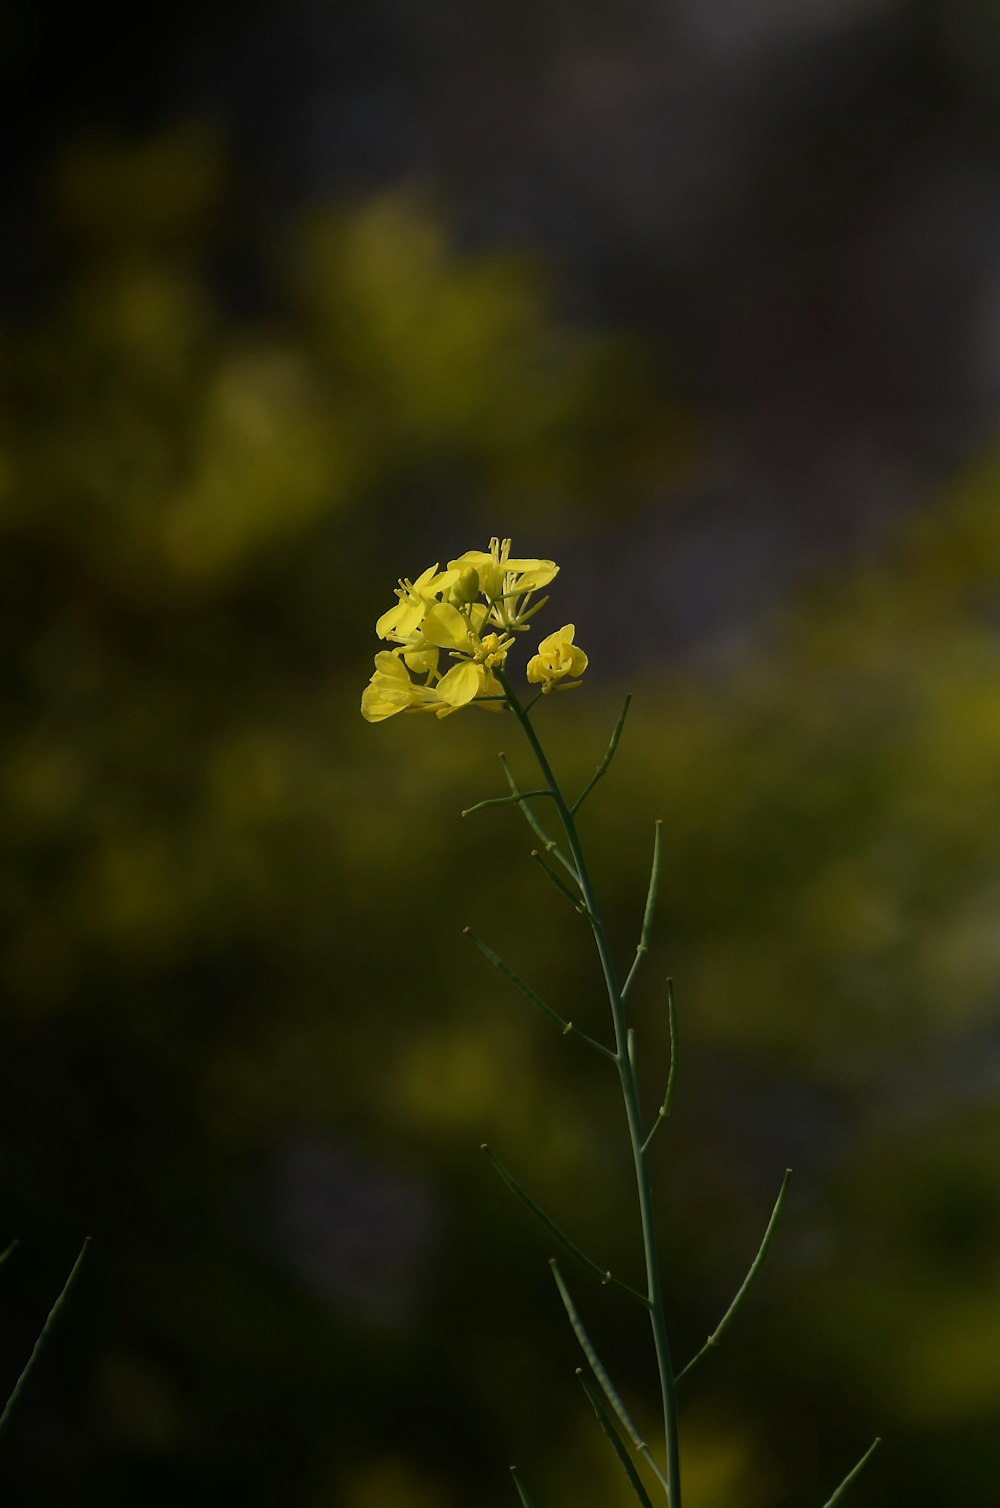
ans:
(452, 630)
(559, 662)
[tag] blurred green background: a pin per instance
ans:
(244, 1044)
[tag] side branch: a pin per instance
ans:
(602, 1274)
(668, 1097)
(503, 801)
(548, 844)
(602, 768)
(45, 1333)
(522, 1491)
(567, 1027)
(851, 1475)
(560, 885)
(597, 1367)
(755, 1266)
(642, 947)
(607, 1424)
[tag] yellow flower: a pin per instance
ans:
(557, 658)
(446, 628)
(468, 613)
(392, 689)
(506, 584)
(415, 599)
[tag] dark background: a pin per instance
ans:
(703, 301)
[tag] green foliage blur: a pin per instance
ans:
(245, 1045)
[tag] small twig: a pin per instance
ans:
(668, 1097)
(45, 1333)
(522, 1491)
(602, 1274)
(567, 1027)
(607, 1386)
(617, 1443)
(503, 801)
(755, 1266)
(602, 768)
(642, 947)
(4, 1255)
(560, 885)
(548, 844)
(851, 1475)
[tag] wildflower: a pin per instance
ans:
(468, 614)
(415, 599)
(392, 688)
(557, 658)
(507, 584)
(447, 628)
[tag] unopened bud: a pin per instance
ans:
(466, 588)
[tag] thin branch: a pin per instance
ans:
(642, 947)
(503, 801)
(602, 1274)
(560, 885)
(548, 844)
(567, 1027)
(607, 1386)
(617, 1443)
(4, 1255)
(668, 1097)
(522, 1491)
(43, 1337)
(602, 768)
(851, 1475)
(755, 1266)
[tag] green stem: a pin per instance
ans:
(630, 1096)
(46, 1330)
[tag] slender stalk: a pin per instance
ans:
(46, 1331)
(852, 1475)
(630, 1097)
(668, 1097)
(604, 1275)
(755, 1267)
(522, 1491)
(642, 947)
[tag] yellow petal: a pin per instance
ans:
(459, 686)
(421, 661)
(445, 627)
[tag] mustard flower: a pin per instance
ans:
(469, 614)
(415, 599)
(507, 584)
(393, 689)
(557, 658)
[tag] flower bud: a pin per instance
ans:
(466, 588)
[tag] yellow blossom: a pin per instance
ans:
(557, 658)
(415, 599)
(447, 628)
(392, 689)
(506, 584)
(468, 615)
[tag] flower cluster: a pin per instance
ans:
(469, 614)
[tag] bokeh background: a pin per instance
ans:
(702, 299)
